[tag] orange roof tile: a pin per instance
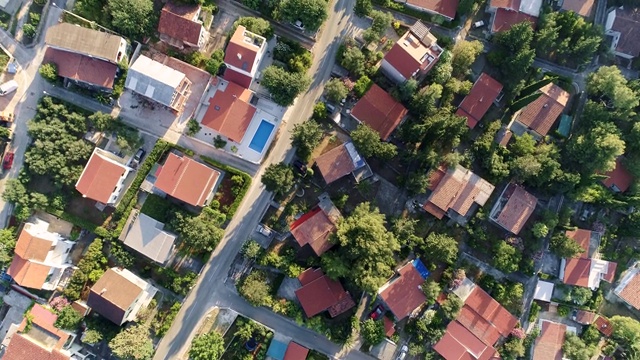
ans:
(28, 274)
(631, 292)
(517, 210)
(583, 238)
(490, 310)
(378, 110)
(475, 105)
(458, 190)
(610, 275)
(458, 343)
(186, 179)
(585, 317)
(434, 210)
(603, 325)
(402, 295)
(576, 272)
(478, 325)
(32, 247)
(240, 53)
(389, 326)
(229, 112)
(21, 348)
(412, 51)
(505, 4)
(548, 345)
(112, 295)
(176, 22)
(314, 229)
(505, 19)
(541, 114)
(295, 351)
(83, 68)
(335, 163)
(580, 7)
(446, 8)
(322, 294)
(619, 177)
(99, 178)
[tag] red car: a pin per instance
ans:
(377, 312)
(8, 161)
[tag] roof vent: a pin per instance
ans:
(546, 105)
(239, 56)
(104, 290)
(216, 107)
(481, 99)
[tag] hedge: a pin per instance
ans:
(78, 221)
(233, 171)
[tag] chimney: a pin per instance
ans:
(546, 105)
(104, 290)
(239, 56)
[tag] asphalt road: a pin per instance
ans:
(210, 289)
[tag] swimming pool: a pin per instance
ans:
(261, 136)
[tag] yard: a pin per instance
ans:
(246, 337)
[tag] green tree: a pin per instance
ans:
(368, 143)
(335, 90)
(362, 86)
(440, 248)
(213, 63)
(372, 331)
(91, 336)
(193, 127)
(319, 111)
(626, 333)
(404, 230)
(354, 60)
(49, 72)
(464, 54)
(209, 346)
(278, 178)
(513, 54)
(305, 137)
(367, 248)
(255, 289)
(201, 233)
(284, 86)
(7, 244)
(256, 25)
(312, 13)
(540, 230)
(580, 295)
(609, 85)
(363, 7)
(597, 149)
(513, 349)
(442, 70)
(451, 306)
(407, 89)
(575, 349)
(381, 22)
(251, 249)
(423, 103)
(506, 257)
(133, 18)
(431, 290)
(133, 343)
(101, 121)
(29, 31)
(68, 318)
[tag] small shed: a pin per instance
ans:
(564, 128)
(544, 290)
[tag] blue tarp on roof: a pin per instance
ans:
(421, 268)
(565, 125)
(276, 350)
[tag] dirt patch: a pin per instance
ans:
(86, 209)
(330, 141)
(209, 320)
(225, 193)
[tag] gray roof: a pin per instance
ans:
(153, 80)
(144, 234)
(84, 41)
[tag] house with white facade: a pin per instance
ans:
(243, 55)
(103, 178)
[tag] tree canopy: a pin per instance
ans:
(278, 178)
(440, 248)
(564, 246)
(312, 13)
(464, 54)
(610, 86)
(256, 25)
(133, 18)
(626, 333)
(7, 244)
(506, 257)
(203, 232)
(284, 86)
(368, 143)
(68, 318)
(336, 90)
(133, 343)
(381, 21)
(305, 137)
(255, 289)
(209, 346)
(512, 54)
(372, 331)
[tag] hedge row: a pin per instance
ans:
(80, 222)
(233, 171)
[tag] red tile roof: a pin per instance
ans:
(619, 177)
(458, 343)
(186, 179)
(519, 207)
(585, 317)
(112, 295)
(100, 178)
(583, 238)
(580, 7)
(631, 292)
(484, 91)
(446, 8)
(21, 348)
(403, 295)
(295, 351)
(314, 229)
(627, 22)
(32, 247)
(436, 177)
(176, 22)
(505, 4)
(229, 112)
(240, 53)
(541, 114)
(505, 19)
(389, 326)
(478, 325)
(611, 272)
(576, 272)
(335, 164)
(28, 274)
(603, 325)
(237, 77)
(548, 345)
(490, 310)
(322, 294)
(411, 52)
(82, 68)
(378, 110)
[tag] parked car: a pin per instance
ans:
(330, 108)
(403, 352)
(300, 167)
(264, 230)
(298, 25)
(377, 312)
(7, 163)
(137, 158)
(478, 24)
(8, 87)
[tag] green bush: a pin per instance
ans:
(34, 18)
(563, 310)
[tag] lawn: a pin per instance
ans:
(245, 332)
(159, 208)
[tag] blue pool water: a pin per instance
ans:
(261, 136)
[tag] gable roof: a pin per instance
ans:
(541, 114)
(458, 190)
(378, 110)
(146, 236)
(320, 293)
(458, 343)
(629, 289)
(176, 22)
(580, 7)
(583, 238)
(619, 178)
(416, 50)
(241, 51)
(505, 4)
(505, 19)
(28, 274)
(82, 68)
(576, 272)
(402, 295)
(446, 8)
(585, 317)
(100, 177)
(32, 245)
(186, 179)
(627, 23)
(603, 325)
(475, 105)
(548, 345)
(21, 348)
(490, 310)
(339, 162)
(314, 229)
(154, 80)
(31, 250)
(519, 206)
(230, 112)
(85, 41)
(295, 351)
(112, 295)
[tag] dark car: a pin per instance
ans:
(377, 312)
(137, 158)
(300, 167)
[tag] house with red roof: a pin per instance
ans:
(513, 208)
(339, 162)
(476, 104)
(103, 177)
(548, 345)
(619, 179)
(379, 111)
(603, 325)
(313, 229)
(180, 27)
(628, 290)
(186, 180)
(506, 13)
(413, 55)
(40, 257)
(586, 269)
(319, 293)
(230, 111)
(583, 8)
(402, 294)
(481, 323)
(444, 8)
(538, 117)
(243, 55)
(456, 193)
(295, 351)
(622, 28)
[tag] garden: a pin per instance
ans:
(30, 27)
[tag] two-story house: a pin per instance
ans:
(103, 178)
(180, 27)
(243, 55)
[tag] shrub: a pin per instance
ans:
(219, 142)
(34, 18)
(563, 310)
(29, 31)
(193, 127)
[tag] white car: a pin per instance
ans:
(264, 230)
(298, 25)
(478, 24)
(403, 352)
